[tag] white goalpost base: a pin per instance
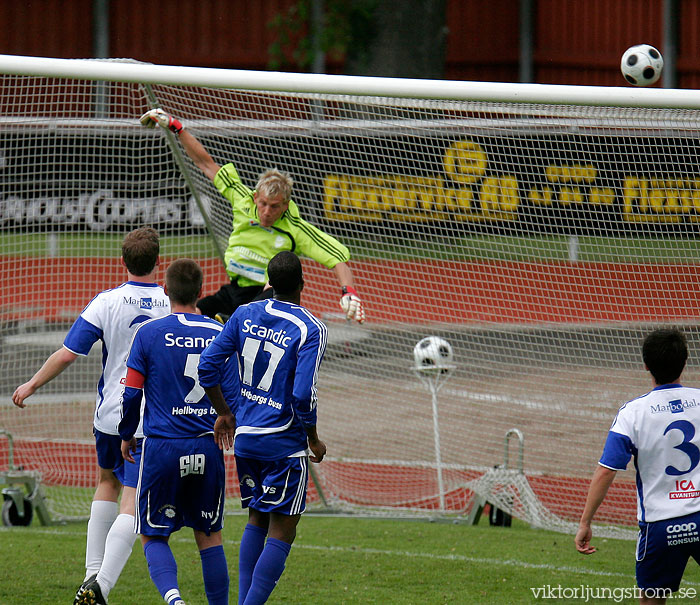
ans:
(542, 230)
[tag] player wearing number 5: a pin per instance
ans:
(265, 222)
(278, 346)
(181, 479)
(661, 431)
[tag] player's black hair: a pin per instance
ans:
(183, 279)
(665, 352)
(284, 273)
(140, 250)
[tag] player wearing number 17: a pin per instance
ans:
(660, 430)
(181, 479)
(279, 346)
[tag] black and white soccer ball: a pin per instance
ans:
(433, 353)
(642, 65)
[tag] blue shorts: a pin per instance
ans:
(663, 550)
(181, 483)
(274, 486)
(109, 456)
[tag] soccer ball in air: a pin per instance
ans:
(641, 65)
(433, 353)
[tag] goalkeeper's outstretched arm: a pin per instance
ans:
(350, 301)
(198, 154)
(190, 144)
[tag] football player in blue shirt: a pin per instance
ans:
(111, 317)
(660, 431)
(278, 346)
(182, 478)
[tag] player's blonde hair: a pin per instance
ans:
(275, 183)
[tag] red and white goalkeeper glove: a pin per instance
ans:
(165, 120)
(351, 304)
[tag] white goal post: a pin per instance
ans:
(541, 230)
(501, 92)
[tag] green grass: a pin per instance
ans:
(477, 247)
(99, 245)
(339, 560)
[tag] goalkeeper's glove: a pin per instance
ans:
(351, 304)
(165, 120)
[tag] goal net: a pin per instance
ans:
(541, 240)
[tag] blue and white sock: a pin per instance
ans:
(267, 571)
(162, 568)
(252, 544)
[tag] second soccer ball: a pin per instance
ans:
(433, 353)
(642, 64)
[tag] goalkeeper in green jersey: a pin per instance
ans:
(265, 221)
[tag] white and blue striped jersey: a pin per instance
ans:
(112, 317)
(278, 348)
(166, 352)
(661, 430)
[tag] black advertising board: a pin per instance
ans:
(523, 183)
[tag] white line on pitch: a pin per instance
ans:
(414, 555)
(463, 559)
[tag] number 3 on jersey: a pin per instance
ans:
(251, 346)
(685, 446)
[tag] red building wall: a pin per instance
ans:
(482, 41)
(582, 42)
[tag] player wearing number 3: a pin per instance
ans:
(661, 431)
(265, 222)
(181, 479)
(278, 346)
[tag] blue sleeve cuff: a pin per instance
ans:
(81, 336)
(617, 452)
(308, 418)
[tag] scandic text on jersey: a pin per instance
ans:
(187, 342)
(266, 333)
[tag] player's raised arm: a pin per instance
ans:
(190, 144)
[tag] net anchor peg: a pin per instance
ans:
(496, 515)
(521, 447)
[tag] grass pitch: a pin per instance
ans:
(468, 248)
(348, 560)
